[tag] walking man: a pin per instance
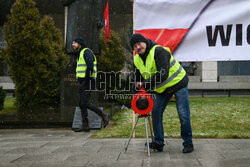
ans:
(86, 73)
(156, 69)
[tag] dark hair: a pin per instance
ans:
(79, 41)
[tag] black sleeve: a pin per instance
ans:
(162, 59)
(89, 59)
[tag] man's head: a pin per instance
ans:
(77, 43)
(138, 43)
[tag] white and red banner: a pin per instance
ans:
(203, 30)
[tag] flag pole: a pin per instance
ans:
(65, 23)
(133, 58)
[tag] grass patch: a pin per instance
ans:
(9, 106)
(219, 117)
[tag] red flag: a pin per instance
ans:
(106, 18)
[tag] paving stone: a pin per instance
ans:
(121, 163)
(200, 141)
(224, 163)
(44, 138)
(158, 156)
(83, 156)
(112, 155)
(66, 163)
(13, 137)
(133, 155)
(172, 163)
(4, 150)
(205, 147)
(225, 147)
(24, 144)
(221, 141)
(13, 164)
(236, 154)
(33, 150)
(207, 154)
(242, 145)
(92, 148)
(63, 147)
(8, 158)
(70, 149)
(55, 157)
(180, 155)
(62, 143)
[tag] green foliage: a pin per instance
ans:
(9, 106)
(222, 117)
(111, 56)
(125, 38)
(2, 97)
(35, 56)
(110, 61)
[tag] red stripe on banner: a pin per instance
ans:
(165, 37)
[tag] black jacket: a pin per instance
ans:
(162, 59)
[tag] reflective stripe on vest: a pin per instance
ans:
(82, 67)
(175, 75)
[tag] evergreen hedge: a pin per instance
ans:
(111, 61)
(35, 55)
(111, 56)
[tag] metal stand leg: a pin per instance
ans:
(150, 127)
(146, 125)
(147, 135)
(131, 134)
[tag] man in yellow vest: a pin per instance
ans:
(157, 70)
(86, 73)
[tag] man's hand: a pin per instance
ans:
(139, 85)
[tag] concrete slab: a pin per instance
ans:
(172, 163)
(122, 163)
(9, 158)
(44, 157)
(224, 163)
(13, 164)
(62, 147)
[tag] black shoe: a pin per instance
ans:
(188, 148)
(156, 146)
(81, 129)
(84, 128)
(106, 119)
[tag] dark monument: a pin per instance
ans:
(95, 121)
(84, 19)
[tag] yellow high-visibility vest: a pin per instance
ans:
(175, 75)
(82, 67)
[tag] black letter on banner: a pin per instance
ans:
(248, 34)
(238, 34)
(212, 38)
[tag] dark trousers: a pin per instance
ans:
(84, 92)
